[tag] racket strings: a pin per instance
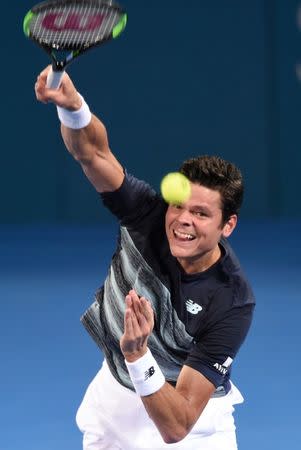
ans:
(74, 26)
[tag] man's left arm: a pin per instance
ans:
(173, 410)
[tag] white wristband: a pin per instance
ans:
(145, 374)
(75, 119)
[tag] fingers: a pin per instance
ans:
(135, 323)
(138, 322)
(66, 95)
(42, 79)
(44, 94)
(43, 75)
(134, 338)
(40, 86)
(136, 306)
(128, 325)
(142, 309)
(147, 310)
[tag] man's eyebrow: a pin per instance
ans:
(206, 208)
(200, 206)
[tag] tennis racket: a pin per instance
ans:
(65, 29)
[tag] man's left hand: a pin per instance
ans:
(138, 325)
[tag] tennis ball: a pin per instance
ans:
(175, 188)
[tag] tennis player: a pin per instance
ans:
(175, 306)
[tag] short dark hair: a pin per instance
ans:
(215, 173)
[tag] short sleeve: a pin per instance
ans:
(213, 352)
(133, 199)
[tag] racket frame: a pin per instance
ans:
(71, 51)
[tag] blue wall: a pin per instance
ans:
(198, 77)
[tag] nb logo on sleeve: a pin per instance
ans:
(149, 373)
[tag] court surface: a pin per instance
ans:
(48, 276)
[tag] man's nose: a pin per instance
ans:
(184, 217)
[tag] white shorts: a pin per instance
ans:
(113, 417)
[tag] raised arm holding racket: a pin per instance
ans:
(175, 306)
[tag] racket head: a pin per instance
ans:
(73, 25)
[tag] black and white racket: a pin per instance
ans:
(67, 28)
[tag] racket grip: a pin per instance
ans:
(54, 79)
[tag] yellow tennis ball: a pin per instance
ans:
(175, 188)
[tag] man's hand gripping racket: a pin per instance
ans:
(65, 29)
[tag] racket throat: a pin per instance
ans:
(61, 59)
(57, 66)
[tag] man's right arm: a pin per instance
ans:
(89, 145)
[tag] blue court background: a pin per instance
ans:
(217, 77)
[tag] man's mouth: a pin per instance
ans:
(184, 237)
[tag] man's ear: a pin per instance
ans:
(229, 225)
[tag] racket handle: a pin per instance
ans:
(54, 79)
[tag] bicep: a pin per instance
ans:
(105, 173)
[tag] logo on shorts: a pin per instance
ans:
(149, 373)
(193, 308)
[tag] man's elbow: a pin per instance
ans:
(175, 435)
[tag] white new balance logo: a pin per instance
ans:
(193, 308)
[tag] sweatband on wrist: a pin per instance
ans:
(75, 119)
(145, 374)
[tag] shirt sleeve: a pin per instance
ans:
(213, 352)
(131, 201)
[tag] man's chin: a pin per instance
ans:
(179, 252)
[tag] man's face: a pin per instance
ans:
(194, 229)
